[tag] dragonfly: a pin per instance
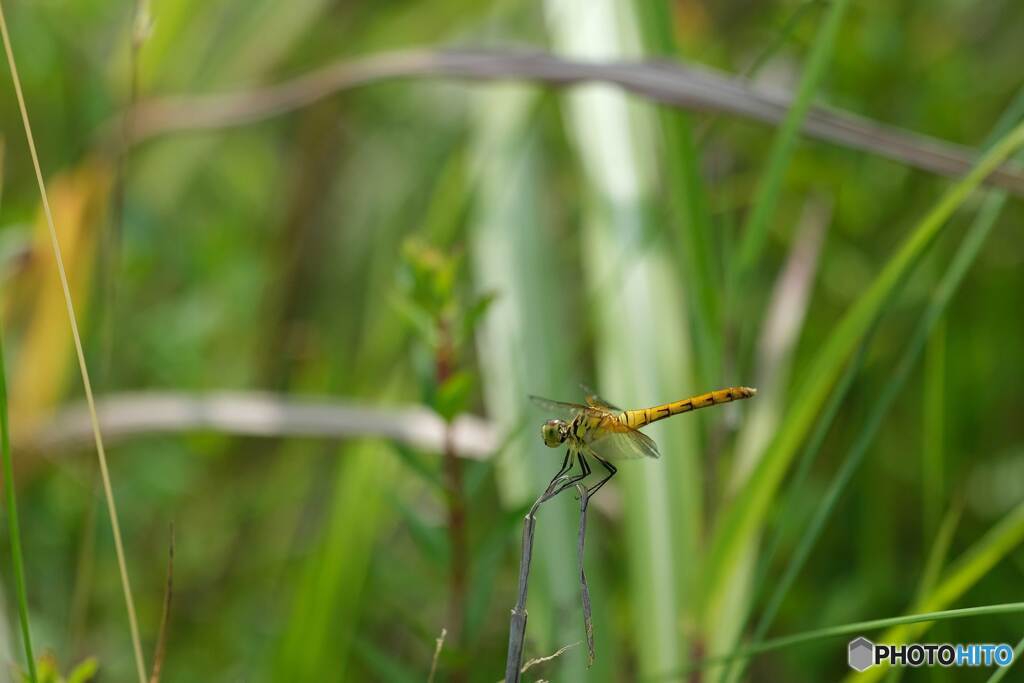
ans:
(601, 431)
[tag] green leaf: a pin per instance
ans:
(1000, 673)
(767, 195)
(939, 550)
(85, 671)
(691, 226)
(453, 395)
(418, 319)
(13, 525)
(384, 665)
(415, 461)
(329, 592)
(632, 291)
(974, 564)
(475, 313)
(431, 540)
(933, 487)
(881, 406)
(858, 627)
(743, 520)
(428, 276)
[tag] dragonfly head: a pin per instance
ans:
(555, 432)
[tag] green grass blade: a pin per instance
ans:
(766, 197)
(1000, 674)
(522, 351)
(923, 619)
(943, 540)
(744, 519)
(854, 628)
(329, 594)
(780, 331)
(13, 528)
(880, 408)
(788, 519)
(974, 564)
(937, 556)
(688, 205)
(933, 431)
(615, 140)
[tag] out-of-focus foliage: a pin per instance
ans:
(552, 238)
(48, 671)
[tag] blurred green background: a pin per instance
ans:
(455, 246)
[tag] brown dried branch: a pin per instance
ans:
(259, 414)
(684, 86)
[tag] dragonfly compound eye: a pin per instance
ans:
(553, 433)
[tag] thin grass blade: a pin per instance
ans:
(13, 526)
(971, 567)
(522, 346)
(641, 342)
(743, 520)
(766, 198)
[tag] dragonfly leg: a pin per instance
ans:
(561, 483)
(584, 466)
(612, 470)
(566, 466)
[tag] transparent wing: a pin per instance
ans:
(616, 441)
(595, 401)
(559, 406)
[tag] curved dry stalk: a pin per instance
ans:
(128, 414)
(684, 86)
(529, 664)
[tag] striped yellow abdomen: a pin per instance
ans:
(645, 416)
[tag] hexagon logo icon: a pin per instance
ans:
(861, 654)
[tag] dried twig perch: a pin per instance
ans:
(517, 627)
(588, 624)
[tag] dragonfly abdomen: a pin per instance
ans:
(645, 416)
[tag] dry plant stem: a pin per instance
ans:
(456, 508)
(588, 624)
(140, 664)
(683, 86)
(543, 660)
(437, 655)
(457, 536)
(134, 413)
(517, 625)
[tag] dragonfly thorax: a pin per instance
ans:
(554, 433)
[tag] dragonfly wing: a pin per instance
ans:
(617, 441)
(559, 406)
(595, 401)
